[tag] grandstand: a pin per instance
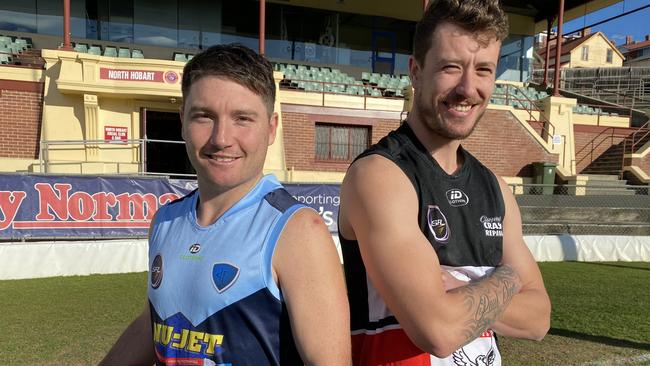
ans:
(104, 102)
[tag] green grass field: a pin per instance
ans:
(601, 316)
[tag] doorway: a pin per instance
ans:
(163, 155)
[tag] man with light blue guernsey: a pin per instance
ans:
(239, 272)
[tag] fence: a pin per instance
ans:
(602, 209)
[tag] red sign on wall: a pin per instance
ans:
(114, 133)
(131, 75)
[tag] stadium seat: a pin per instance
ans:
(6, 39)
(95, 50)
(124, 53)
(110, 51)
(181, 57)
(81, 47)
(137, 54)
(23, 43)
(5, 59)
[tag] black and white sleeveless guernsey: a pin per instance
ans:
(461, 216)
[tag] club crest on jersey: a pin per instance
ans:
(156, 271)
(438, 224)
(195, 248)
(224, 275)
(456, 197)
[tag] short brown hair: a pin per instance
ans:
(234, 62)
(476, 16)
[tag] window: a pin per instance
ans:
(340, 142)
(610, 56)
(585, 53)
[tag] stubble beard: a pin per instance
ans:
(433, 121)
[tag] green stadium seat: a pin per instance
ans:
(124, 53)
(81, 47)
(16, 48)
(95, 50)
(137, 54)
(110, 51)
(6, 39)
(23, 42)
(5, 59)
(180, 57)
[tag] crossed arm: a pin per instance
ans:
(401, 264)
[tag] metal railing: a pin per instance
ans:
(518, 99)
(88, 151)
(325, 87)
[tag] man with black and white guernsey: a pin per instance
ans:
(240, 272)
(432, 242)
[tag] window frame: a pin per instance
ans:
(609, 58)
(349, 127)
(584, 53)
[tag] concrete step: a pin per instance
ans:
(600, 177)
(586, 229)
(627, 215)
(599, 191)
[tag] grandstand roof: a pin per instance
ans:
(540, 10)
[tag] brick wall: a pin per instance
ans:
(21, 105)
(501, 143)
(299, 130)
(593, 141)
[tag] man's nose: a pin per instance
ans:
(221, 134)
(467, 86)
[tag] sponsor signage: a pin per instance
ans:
(324, 198)
(35, 206)
(131, 75)
(114, 133)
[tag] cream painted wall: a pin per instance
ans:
(597, 56)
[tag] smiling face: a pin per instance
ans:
(453, 87)
(227, 130)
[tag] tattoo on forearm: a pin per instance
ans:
(487, 299)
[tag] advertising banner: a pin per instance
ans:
(39, 206)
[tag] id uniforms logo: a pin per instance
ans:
(457, 198)
(438, 224)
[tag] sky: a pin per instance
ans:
(636, 24)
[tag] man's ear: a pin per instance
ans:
(414, 71)
(273, 127)
(181, 115)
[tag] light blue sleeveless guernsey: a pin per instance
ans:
(212, 296)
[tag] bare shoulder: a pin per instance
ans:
(370, 185)
(304, 240)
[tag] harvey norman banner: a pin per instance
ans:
(33, 206)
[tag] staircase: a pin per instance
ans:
(611, 161)
(30, 58)
(604, 185)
